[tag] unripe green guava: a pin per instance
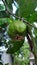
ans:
(16, 27)
(16, 32)
(20, 26)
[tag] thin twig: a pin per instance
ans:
(8, 10)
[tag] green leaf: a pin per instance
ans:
(4, 22)
(2, 7)
(33, 17)
(35, 32)
(9, 3)
(3, 14)
(26, 8)
(14, 46)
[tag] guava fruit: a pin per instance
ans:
(16, 31)
(16, 27)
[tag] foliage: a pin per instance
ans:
(14, 46)
(9, 3)
(27, 9)
(22, 56)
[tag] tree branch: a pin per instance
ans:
(10, 12)
(30, 42)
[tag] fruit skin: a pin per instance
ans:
(20, 26)
(16, 27)
(16, 32)
(11, 30)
